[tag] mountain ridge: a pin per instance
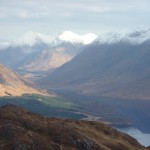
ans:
(136, 36)
(31, 38)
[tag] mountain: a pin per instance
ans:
(68, 36)
(135, 36)
(12, 84)
(24, 49)
(32, 38)
(21, 129)
(116, 67)
(35, 53)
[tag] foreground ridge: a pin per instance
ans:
(23, 130)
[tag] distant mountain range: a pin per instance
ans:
(12, 84)
(36, 53)
(114, 65)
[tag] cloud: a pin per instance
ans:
(23, 14)
(44, 8)
(87, 8)
(92, 15)
(2, 15)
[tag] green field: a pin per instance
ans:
(47, 106)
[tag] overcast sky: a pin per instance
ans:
(80, 16)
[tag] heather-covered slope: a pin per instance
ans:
(21, 129)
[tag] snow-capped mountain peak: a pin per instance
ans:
(71, 37)
(31, 38)
(134, 36)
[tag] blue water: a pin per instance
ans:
(142, 138)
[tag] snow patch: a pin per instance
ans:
(71, 37)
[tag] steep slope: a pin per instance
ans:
(53, 57)
(119, 68)
(12, 84)
(20, 129)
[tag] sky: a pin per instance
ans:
(81, 16)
